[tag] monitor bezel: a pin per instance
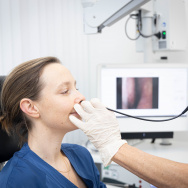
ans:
(138, 126)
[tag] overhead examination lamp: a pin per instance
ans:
(153, 120)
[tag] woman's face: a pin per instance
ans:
(58, 97)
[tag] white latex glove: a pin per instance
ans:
(101, 127)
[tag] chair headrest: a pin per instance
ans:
(8, 144)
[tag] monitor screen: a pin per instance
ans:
(152, 91)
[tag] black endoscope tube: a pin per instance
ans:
(153, 120)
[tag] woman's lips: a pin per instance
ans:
(75, 114)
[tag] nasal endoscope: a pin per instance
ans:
(154, 120)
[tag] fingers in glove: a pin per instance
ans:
(87, 106)
(83, 114)
(76, 121)
(97, 104)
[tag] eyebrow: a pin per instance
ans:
(65, 83)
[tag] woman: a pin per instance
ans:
(37, 99)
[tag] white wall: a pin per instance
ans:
(36, 28)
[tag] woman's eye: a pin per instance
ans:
(65, 92)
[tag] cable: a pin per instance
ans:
(131, 16)
(154, 120)
(139, 26)
(139, 23)
(158, 35)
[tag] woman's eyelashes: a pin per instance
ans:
(68, 91)
(65, 92)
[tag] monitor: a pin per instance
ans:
(151, 91)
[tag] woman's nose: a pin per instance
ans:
(79, 98)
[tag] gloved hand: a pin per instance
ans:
(101, 127)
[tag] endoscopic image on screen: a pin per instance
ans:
(137, 92)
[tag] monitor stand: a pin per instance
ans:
(165, 142)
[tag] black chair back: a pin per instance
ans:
(8, 144)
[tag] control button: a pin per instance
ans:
(163, 34)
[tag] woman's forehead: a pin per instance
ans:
(55, 74)
(55, 69)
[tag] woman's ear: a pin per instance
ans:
(29, 108)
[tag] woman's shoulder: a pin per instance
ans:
(18, 173)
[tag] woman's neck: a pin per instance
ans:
(46, 144)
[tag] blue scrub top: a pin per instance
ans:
(26, 169)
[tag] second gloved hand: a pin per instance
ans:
(101, 127)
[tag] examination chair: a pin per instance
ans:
(8, 144)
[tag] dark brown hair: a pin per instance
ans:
(22, 82)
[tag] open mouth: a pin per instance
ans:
(75, 114)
